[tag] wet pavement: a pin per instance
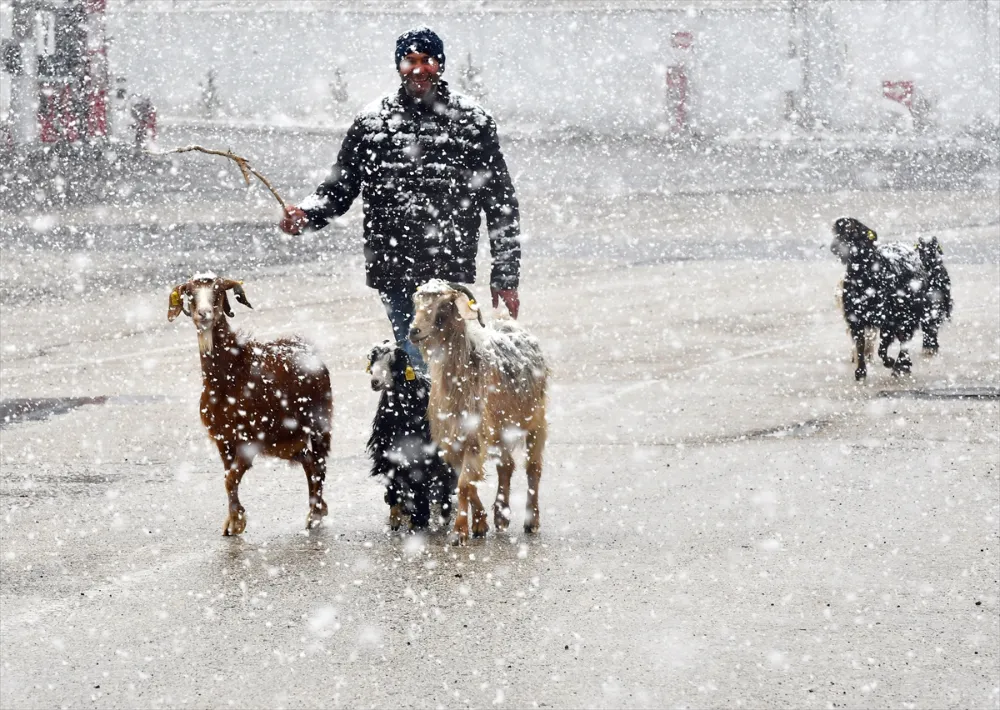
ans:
(728, 519)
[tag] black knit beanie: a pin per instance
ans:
(420, 39)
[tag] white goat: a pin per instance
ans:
(487, 388)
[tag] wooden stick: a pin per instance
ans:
(242, 163)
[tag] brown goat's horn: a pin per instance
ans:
(237, 287)
(462, 288)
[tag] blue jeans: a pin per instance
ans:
(399, 307)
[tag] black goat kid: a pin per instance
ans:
(893, 288)
(400, 446)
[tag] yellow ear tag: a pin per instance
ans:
(175, 299)
(871, 235)
(410, 374)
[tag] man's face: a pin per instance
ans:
(420, 74)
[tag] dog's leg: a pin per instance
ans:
(883, 349)
(395, 501)
(858, 334)
(395, 517)
(871, 342)
(446, 482)
(421, 515)
(903, 364)
(930, 339)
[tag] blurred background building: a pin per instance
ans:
(712, 67)
(718, 69)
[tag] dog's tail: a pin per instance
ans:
(871, 344)
(931, 253)
(939, 286)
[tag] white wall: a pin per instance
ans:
(601, 70)
(948, 48)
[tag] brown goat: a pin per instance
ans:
(488, 387)
(270, 398)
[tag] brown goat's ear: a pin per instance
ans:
(176, 303)
(237, 287)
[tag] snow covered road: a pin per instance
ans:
(728, 519)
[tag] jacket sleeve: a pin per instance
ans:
(502, 214)
(335, 195)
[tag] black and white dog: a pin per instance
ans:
(893, 288)
(400, 446)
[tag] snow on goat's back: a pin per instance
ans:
(487, 381)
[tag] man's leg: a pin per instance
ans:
(399, 307)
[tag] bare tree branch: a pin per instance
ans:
(242, 163)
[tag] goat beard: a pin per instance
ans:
(205, 341)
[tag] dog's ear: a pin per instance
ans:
(851, 229)
(930, 244)
(401, 364)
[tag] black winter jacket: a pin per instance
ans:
(426, 172)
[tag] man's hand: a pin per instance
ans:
(510, 299)
(294, 222)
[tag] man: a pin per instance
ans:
(427, 163)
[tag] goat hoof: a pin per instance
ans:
(501, 518)
(860, 374)
(235, 524)
(532, 527)
(460, 533)
(315, 518)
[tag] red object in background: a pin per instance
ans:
(144, 121)
(73, 90)
(56, 118)
(47, 116)
(677, 95)
(899, 91)
(151, 124)
(682, 39)
(97, 113)
(97, 94)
